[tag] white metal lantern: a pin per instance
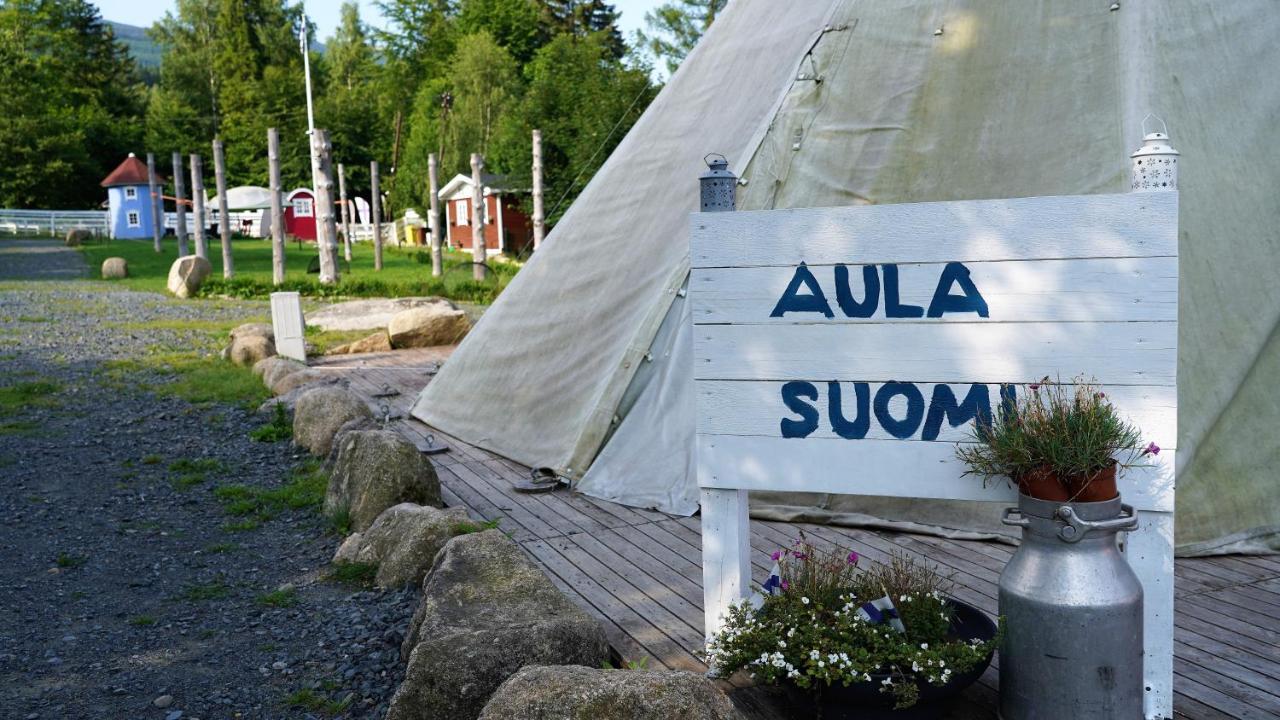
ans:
(718, 185)
(1155, 164)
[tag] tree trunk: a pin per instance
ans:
(326, 228)
(437, 252)
(377, 216)
(277, 207)
(478, 248)
(179, 200)
(344, 212)
(224, 222)
(539, 217)
(197, 205)
(157, 203)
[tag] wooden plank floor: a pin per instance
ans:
(639, 571)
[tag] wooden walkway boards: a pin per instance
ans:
(640, 572)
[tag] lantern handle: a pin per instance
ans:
(707, 161)
(1150, 116)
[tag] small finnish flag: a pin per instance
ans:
(772, 586)
(881, 610)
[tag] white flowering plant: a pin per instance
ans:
(812, 635)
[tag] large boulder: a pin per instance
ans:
(187, 274)
(374, 470)
(377, 342)
(289, 379)
(115, 268)
(253, 329)
(427, 327)
(573, 692)
(249, 349)
(486, 612)
(271, 368)
(319, 413)
(370, 314)
(403, 542)
(77, 237)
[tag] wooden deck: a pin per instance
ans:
(640, 573)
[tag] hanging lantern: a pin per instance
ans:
(719, 184)
(1155, 164)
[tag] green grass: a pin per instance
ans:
(305, 488)
(222, 547)
(142, 621)
(69, 561)
(317, 702)
(26, 395)
(187, 474)
(152, 460)
(340, 522)
(192, 377)
(279, 598)
(406, 271)
(280, 428)
(215, 589)
(19, 427)
(468, 527)
(350, 573)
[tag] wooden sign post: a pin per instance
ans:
(847, 350)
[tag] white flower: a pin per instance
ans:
(791, 632)
(804, 600)
(866, 677)
(942, 663)
(813, 655)
(924, 646)
(887, 681)
(833, 658)
(782, 643)
(821, 664)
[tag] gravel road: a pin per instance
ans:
(125, 593)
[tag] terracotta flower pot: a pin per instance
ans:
(1098, 487)
(1043, 483)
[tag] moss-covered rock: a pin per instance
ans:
(582, 693)
(486, 612)
(403, 542)
(374, 470)
(320, 412)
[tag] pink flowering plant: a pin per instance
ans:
(811, 634)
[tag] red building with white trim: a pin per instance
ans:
(507, 230)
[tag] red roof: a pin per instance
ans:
(131, 172)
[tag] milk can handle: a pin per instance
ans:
(1075, 528)
(1020, 522)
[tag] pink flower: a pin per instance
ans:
(1034, 386)
(852, 559)
(776, 555)
(786, 585)
(800, 556)
(1152, 449)
(1101, 395)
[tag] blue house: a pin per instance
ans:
(129, 199)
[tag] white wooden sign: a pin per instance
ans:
(288, 325)
(847, 350)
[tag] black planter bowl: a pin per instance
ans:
(864, 701)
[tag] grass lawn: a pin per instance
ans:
(406, 271)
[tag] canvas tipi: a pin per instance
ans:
(583, 364)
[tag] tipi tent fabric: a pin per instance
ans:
(836, 102)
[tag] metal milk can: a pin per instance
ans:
(1072, 645)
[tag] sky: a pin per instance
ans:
(324, 13)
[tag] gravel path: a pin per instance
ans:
(124, 594)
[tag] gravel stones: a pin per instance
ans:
(320, 412)
(573, 692)
(427, 327)
(402, 542)
(374, 470)
(115, 268)
(187, 274)
(486, 611)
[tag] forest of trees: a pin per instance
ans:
(446, 76)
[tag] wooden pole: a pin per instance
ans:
(157, 203)
(344, 212)
(326, 228)
(277, 209)
(539, 217)
(377, 216)
(179, 202)
(224, 222)
(197, 205)
(478, 249)
(433, 222)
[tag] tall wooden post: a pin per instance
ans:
(377, 216)
(197, 204)
(179, 202)
(478, 248)
(326, 227)
(344, 211)
(433, 222)
(224, 222)
(277, 209)
(157, 203)
(539, 217)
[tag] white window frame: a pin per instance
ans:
(131, 193)
(463, 212)
(134, 218)
(303, 207)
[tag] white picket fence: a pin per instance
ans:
(391, 232)
(53, 222)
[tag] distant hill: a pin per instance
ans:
(144, 51)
